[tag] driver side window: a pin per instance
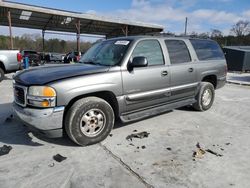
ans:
(150, 49)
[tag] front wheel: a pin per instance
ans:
(89, 120)
(205, 97)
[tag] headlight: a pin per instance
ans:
(41, 96)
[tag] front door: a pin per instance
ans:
(147, 86)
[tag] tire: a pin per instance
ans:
(1, 74)
(205, 97)
(89, 120)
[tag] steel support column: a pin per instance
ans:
(10, 30)
(125, 30)
(43, 33)
(78, 27)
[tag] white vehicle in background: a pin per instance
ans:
(10, 61)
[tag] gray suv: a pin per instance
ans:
(126, 78)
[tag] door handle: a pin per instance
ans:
(164, 73)
(190, 70)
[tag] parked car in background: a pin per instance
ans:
(10, 61)
(54, 57)
(128, 78)
(72, 57)
(34, 57)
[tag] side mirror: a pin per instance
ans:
(139, 61)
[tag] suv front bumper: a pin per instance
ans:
(46, 121)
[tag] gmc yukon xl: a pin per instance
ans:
(127, 78)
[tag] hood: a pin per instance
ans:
(44, 75)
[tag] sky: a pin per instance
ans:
(203, 15)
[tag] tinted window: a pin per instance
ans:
(150, 49)
(109, 53)
(207, 50)
(178, 51)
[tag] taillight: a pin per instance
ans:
(19, 57)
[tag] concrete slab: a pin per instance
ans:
(166, 160)
(238, 78)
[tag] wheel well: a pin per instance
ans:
(105, 95)
(211, 79)
(2, 66)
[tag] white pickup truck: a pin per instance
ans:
(10, 61)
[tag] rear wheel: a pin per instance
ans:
(1, 74)
(89, 120)
(205, 97)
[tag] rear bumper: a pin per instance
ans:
(221, 82)
(46, 121)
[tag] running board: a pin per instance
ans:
(155, 110)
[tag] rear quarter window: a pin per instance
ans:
(178, 51)
(207, 49)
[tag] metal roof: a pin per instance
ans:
(36, 17)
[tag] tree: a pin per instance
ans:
(216, 33)
(194, 34)
(204, 35)
(241, 28)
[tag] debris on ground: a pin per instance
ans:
(140, 135)
(59, 158)
(227, 143)
(52, 165)
(200, 152)
(198, 145)
(131, 144)
(213, 152)
(5, 150)
(9, 119)
(143, 147)
(169, 149)
(155, 164)
(137, 147)
(134, 130)
(110, 135)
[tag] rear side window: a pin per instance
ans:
(207, 49)
(150, 49)
(178, 51)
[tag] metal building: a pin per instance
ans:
(48, 19)
(238, 58)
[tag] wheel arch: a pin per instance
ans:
(212, 78)
(2, 66)
(108, 96)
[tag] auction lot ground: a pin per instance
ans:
(166, 161)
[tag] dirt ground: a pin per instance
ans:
(168, 157)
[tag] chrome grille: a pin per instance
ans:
(20, 95)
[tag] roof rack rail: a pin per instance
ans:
(181, 35)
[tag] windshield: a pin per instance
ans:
(107, 53)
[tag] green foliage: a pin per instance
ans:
(233, 40)
(34, 42)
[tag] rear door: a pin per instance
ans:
(182, 69)
(147, 86)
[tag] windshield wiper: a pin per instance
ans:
(93, 63)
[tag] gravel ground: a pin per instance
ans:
(163, 159)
